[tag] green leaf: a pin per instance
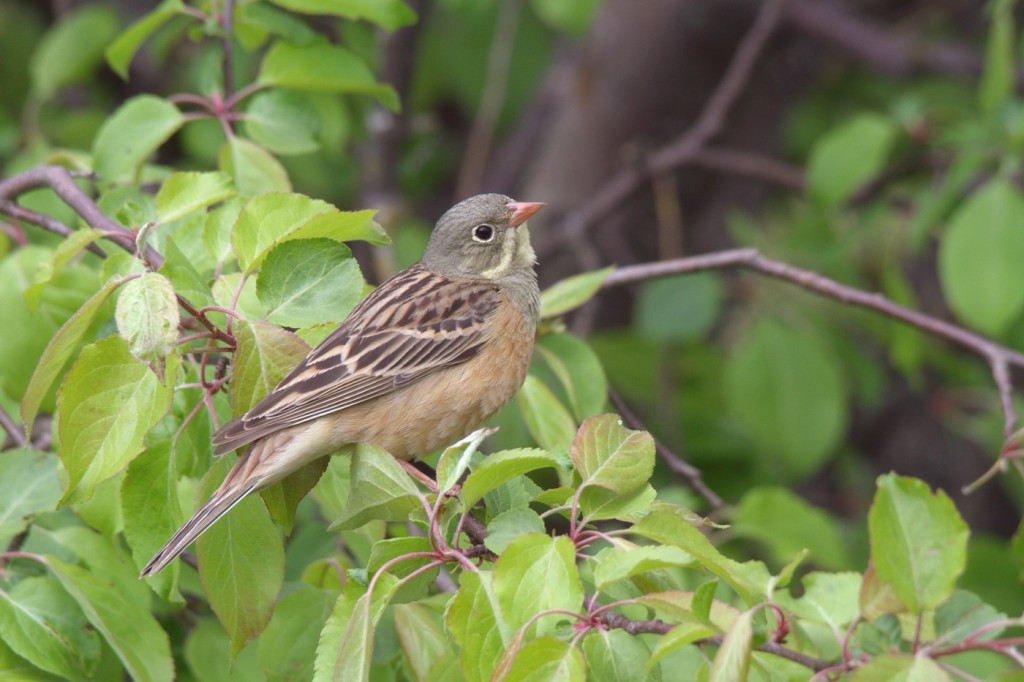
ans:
(535, 573)
(106, 405)
(963, 615)
(126, 625)
(847, 157)
(241, 564)
(380, 490)
(615, 656)
(151, 513)
(147, 318)
(288, 646)
(571, 292)
(997, 80)
(788, 390)
(900, 668)
(322, 68)
(616, 565)
(986, 229)
(571, 16)
(399, 551)
(787, 524)
(829, 598)
(73, 245)
(388, 14)
(183, 276)
(679, 309)
(218, 226)
(120, 52)
(264, 355)
(455, 459)
(346, 642)
(131, 134)
(679, 636)
(501, 467)
(60, 349)
(283, 121)
(252, 168)
(598, 504)
(309, 281)
(578, 370)
(546, 658)
(509, 525)
(425, 645)
(28, 486)
(918, 541)
(268, 220)
(733, 658)
(478, 624)
(41, 623)
(183, 193)
(667, 526)
(610, 456)
(72, 49)
(208, 654)
(548, 422)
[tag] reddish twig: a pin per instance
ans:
(708, 124)
(999, 357)
(14, 432)
(44, 221)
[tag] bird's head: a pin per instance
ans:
(483, 237)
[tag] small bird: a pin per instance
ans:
(423, 360)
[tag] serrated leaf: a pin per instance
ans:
(788, 391)
(547, 420)
(733, 658)
(120, 52)
(346, 642)
(571, 292)
(610, 456)
(683, 607)
(503, 466)
(283, 121)
(147, 318)
(509, 525)
(309, 281)
(388, 14)
(615, 656)
(264, 355)
(208, 654)
(268, 220)
(73, 245)
(618, 565)
(322, 67)
(59, 351)
(848, 156)
(131, 134)
(598, 504)
(252, 168)
(183, 193)
(41, 623)
(546, 658)
(679, 636)
(900, 668)
(829, 598)
(963, 615)
(985, 229)
(380, 490)
(425, 645)
(478, 624)
(535, 573)
(28, 486)
(288, 645)
(241, 564)
(126, 625)
(106, 405)
(918, 541)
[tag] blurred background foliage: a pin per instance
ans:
(877, 142)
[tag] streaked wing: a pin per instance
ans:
(412, 325)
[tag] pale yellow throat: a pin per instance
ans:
(515, 253)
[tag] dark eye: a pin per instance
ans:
(483, 233)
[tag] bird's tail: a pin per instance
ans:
(234, 488)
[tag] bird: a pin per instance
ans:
(425, 358)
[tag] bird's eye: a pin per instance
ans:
(483, 233)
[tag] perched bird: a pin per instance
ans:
(419, 363)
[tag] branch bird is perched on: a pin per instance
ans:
(423, 360)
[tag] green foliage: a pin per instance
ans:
(568, 552)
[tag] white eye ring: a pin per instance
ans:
(483, 233)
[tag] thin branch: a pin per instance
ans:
(676, 463)
(227, 45)
(44, 221)
(751, 165)
(14, 432)
(655, 626)
(711, 120)
(478, 145)
(999, 357)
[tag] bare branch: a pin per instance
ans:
(14, 432)
(44, 221)
(711, 120)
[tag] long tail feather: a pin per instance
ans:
(226, 497)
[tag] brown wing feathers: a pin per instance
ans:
(398, 334)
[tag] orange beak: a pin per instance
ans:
(522, 210)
